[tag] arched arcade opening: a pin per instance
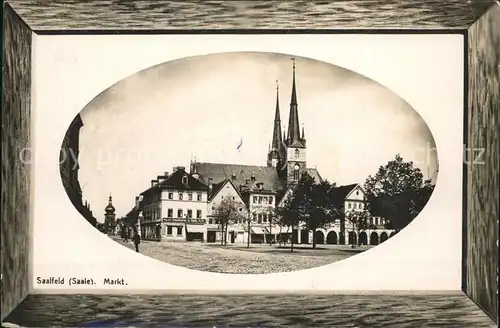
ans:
(331, 238)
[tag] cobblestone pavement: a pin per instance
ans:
(259, 259)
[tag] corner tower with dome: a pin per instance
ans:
(109, 213)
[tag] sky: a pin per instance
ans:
(201, 107)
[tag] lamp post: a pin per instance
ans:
(249, 226)
(186, 226)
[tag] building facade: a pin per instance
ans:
(69, 166)
(175, 208)
(226, 190)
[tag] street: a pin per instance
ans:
(237, 259)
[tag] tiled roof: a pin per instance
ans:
(174, 181)
(315, 174)
(340, 193)
(215, 189)
(220, 172)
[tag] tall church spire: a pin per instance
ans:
(274, 156)
(293, 120)
(276, 143)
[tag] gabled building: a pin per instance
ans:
(175, 207)
(219, 192)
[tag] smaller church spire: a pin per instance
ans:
(303, 134)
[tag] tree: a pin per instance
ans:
(321, 208)
(227, 212)
(295, 208)
(360, 220)
(397, 192)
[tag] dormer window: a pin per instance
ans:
(184, 180)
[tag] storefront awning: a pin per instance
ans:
(257, 230)
(195, 228)
(274, 229)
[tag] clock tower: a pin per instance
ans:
(295, 142)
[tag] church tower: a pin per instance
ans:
(295, 161)
(109, 214)
(275, 155)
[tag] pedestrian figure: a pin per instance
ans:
(137, 241)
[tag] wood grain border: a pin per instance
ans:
(479, 20)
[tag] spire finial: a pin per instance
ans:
(277, 85)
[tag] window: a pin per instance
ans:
(170, 213)
(184, 180)
(296, 172)
(357, 192)
(234, 198)
(222, 197)
(240, 209)
(198, 214)
(255, 199)
(210, 221)
(181, 196)
(179, 213)
(349, 205)
(190, 196)
(164, 230)
(360, 206)
(259, 218)
(297, 153)
(260, 199)
(264, 217)
(254, 216)
(170, 195)
(198, 197)
(190, 214)
(169, 230)
(213, 207)
(271, 200)
(179, 231)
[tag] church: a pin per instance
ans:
(286, 159)
(181, 205)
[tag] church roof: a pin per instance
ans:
(315, 174)
(220, 172)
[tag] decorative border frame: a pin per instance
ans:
(477, 20)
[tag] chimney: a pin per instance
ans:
(253, 177)
(166, 175)
(160, 178)
(153, 183)
(174, 169)
(181, 168)
(233, 176)
(247, 181)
